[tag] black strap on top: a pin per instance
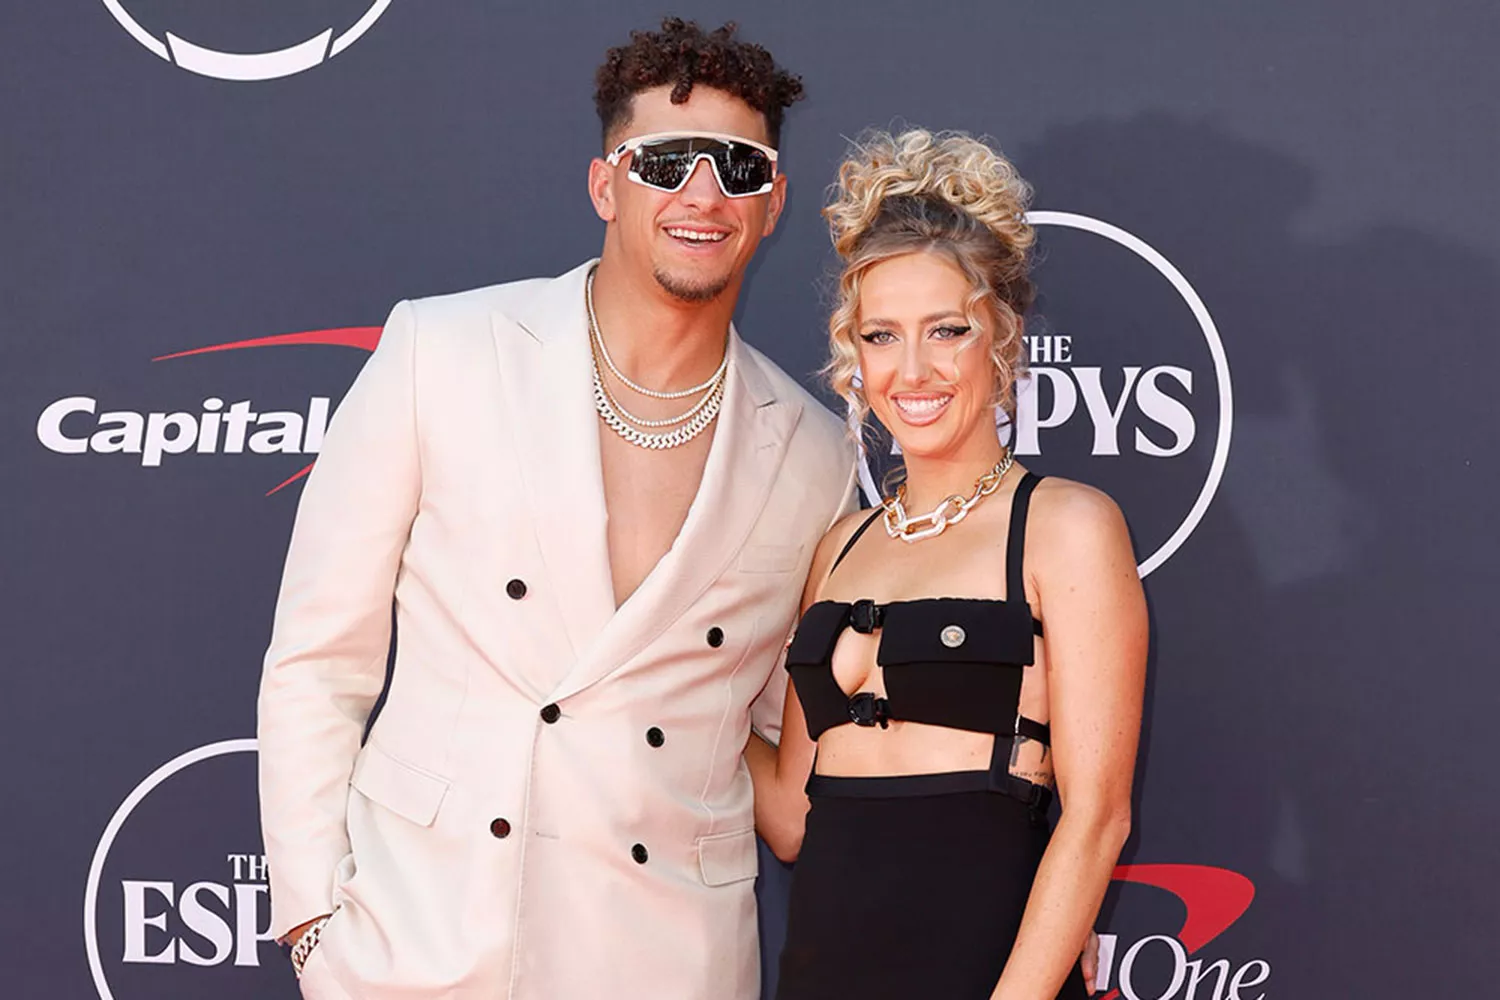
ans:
(999, 778)
(1015, 543)
(1034, 730)
(855, 537)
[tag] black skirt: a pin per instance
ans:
(908, 888)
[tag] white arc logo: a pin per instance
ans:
(116, 822)
(248, 65)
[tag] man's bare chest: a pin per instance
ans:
(647, 495)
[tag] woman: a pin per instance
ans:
(983, 644)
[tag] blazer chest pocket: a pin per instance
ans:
(769, 558)
(725, 858)
(404, 789)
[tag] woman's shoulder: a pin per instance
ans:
(845, 527)
(837, 536)
(1059, 497)
(1067, 516)
(831, 544)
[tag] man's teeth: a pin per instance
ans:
(696, 235)
(922, 407)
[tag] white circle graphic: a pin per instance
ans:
(247, 65)
(1165, 267)
(101, 853)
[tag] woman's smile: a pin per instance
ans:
(920, 408)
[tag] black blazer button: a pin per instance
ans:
(550, 714)
(639, 853)
(516, 589)
(716, 637)
(500, 829)
(655, 737)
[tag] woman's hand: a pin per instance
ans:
(1090, 962)
(780, 803)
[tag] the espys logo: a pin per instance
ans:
(269, 64)
(1128, 385)
(74, 425)
(177, 900)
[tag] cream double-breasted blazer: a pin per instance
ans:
(552, 802)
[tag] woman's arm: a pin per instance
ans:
(780, 776)
(779, 773)
(1089, 592)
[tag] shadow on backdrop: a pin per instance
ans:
(1333, 748)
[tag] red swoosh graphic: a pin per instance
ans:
(292, 479)
(363, 337)
(1214, 898)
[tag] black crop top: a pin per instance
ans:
(948, 661)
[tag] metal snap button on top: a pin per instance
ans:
(550, 714)
(953, 636)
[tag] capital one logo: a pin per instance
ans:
(84, 424)
(1160, 966)
(177, 901)
(1128, 386)
(320, 44)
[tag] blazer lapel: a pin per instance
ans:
(550, 411)
(749, 444)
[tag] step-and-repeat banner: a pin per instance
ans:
(1268, 267)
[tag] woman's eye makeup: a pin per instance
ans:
(951, 332)
(947, 331)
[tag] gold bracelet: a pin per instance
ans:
(306, 943)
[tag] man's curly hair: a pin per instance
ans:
(683, 55)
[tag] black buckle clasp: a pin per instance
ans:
(865, 616)
(867, 710)
(1039, 798)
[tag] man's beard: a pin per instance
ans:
(688, 291)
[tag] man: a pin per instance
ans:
(593, 506)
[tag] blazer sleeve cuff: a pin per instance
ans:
(303, 889)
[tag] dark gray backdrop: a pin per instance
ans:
(1323, 676)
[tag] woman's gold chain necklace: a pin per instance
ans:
(898, 524)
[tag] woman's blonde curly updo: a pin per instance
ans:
(942, 192)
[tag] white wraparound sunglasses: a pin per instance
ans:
(665, 161)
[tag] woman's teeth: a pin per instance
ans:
(921, 406)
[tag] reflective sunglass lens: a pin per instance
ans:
(742, 169)
(662, 169)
